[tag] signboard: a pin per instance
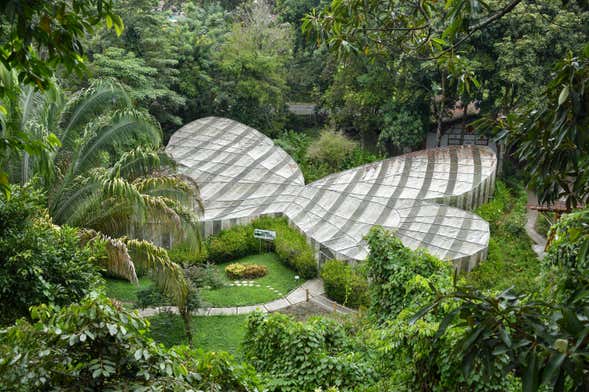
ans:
(265, 234)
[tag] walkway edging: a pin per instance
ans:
(311, 290)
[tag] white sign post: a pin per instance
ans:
(267, 235)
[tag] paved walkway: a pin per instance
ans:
(314, 287)
(539, 240)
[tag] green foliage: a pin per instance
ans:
(290, 245)
(401, 129)
(344, 284)
(295, 144)
(245, 271)
(569, 252)
(293, 356)
(511, 261)
(409, 353)
(97, 346)
(279, 281)
(231, 244)
(252, 63)
(549, 137)
(210, 333)
(331, 148)
(543, 344)
(319, 158)
(186, 255)
(37, 38)
(401, 277)
(40, 36)
(40, 262)
(204, 275)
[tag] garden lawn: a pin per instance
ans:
(279, 277)
(125, 291)
(210, 333)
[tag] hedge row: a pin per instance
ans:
(237, 242)
(344, 285)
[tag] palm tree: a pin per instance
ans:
(110, 178)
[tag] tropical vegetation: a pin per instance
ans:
(90, 91)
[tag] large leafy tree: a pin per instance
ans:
(39, 262)
(97, 345)
(252, 62)
(551, 136)
(37, 37)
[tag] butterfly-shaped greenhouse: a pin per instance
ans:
(422, 196)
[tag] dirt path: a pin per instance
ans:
(539, 240)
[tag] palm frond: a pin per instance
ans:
(102, 96)
(117, 262)
(167, 275)
(118, 128)
(138, 162)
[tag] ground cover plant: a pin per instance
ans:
(511, 260)
(278, 281)
(344, 284)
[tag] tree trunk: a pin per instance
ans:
(464, 115)
(441, 111)
(186, 319)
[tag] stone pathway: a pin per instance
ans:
(314, 287)
(539, 240)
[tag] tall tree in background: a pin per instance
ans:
(144, 58)
(252, 84)
(551, 136)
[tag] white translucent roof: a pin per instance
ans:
(242, 174)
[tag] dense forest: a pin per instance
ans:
(92, 90)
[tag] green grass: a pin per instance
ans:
(211, 333)
(279, 277)
(125, 291)
(511, 260)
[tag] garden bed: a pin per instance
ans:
(277, 283)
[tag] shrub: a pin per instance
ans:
(204, 275)
(399, 276)
(344, 285)
(245, 271)
(95, 345)
(39, 262)
(290, 245)
(185, 254)
(331, 148)
(295, 356)
(231, 244)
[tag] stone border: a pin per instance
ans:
(314, 287)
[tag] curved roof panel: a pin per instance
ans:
(422, 196)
